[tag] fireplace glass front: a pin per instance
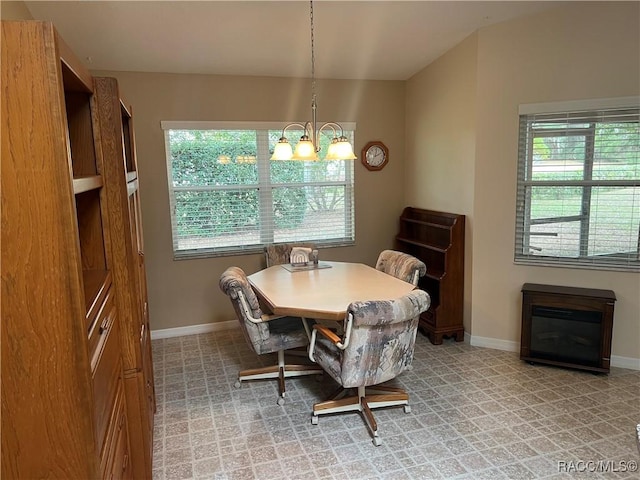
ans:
(566, 335)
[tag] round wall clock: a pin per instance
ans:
(375, 155)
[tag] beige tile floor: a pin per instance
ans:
(476, 413)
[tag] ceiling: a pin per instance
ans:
(377, 40)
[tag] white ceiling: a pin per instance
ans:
(381, 40)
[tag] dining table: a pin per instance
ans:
(323, 291)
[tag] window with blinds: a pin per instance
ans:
(578, 198)
(227, 196)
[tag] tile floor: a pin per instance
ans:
(477, 413)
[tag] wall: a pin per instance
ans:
(461, 149)
(185, 292)
(590, 50)
(440, 136)
(14, 11)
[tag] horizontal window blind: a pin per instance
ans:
(578, 196)
(228, 197)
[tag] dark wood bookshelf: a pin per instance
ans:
(437, 238)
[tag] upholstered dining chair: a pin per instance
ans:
(377, 346)
(401, 265)
(279, 253)
(265, 333)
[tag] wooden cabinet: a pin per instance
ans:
(122, 192)
(437, 238)
(66, 333)
(116, 458)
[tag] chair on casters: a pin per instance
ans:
(279, 253)
(265, 333)
(401, 265)
(378, 343)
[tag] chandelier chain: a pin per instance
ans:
(309, 145)
(313, 57)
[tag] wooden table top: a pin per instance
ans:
(326, 292)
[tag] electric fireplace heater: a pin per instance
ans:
(567, 326)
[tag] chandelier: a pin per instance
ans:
(309, 145)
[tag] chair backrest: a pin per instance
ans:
(401, 265)
(279, 253)
(234, 283)
(382, 338)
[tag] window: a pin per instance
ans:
(578, 201)
(228, 197)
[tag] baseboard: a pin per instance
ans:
(625, 362)
(494, 343)
(510, 346)
(193, 329)
(474, 340)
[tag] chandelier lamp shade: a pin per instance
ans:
(308, 146)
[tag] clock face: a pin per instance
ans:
(375, 156)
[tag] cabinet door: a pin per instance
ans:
(149, 388)
(145, 342)
(107, 377)
(116, 455)
(137, 240)
(120, 465)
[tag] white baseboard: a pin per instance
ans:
(193, 329)
(494, 343)
(510, 346)
(625, 362)
(475, 340)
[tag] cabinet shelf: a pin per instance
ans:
(96, 284)
(86, 183)
(437, 238)
(75, 75)
(435, 274)
(132, 187)
(422, 222)
(421, 244)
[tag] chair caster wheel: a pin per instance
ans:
(407, 409)
(377, 441)
(314, 420)
(237, 384)
(280, 401)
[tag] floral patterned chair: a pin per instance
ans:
(377, 345)
(264, 333)
(279, 253)
(401, 265)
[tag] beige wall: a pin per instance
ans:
(14, 11)
(461, 149)
(185, 292)
(591, 50)
(440, 136)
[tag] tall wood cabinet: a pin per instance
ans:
(122, 193)
(437, 238)
(74, 328)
